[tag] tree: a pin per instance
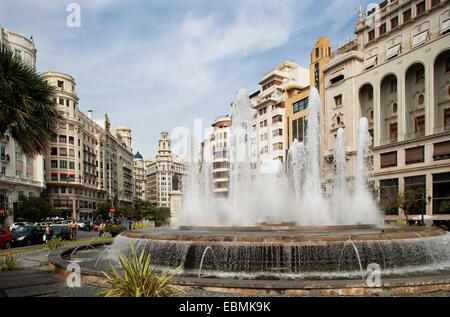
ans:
(34, 209)
(27, 110)
(161, 215)
(102, 210)
(409, 201)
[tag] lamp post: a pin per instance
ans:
(425, 203)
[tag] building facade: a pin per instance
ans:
(161, 171)
(20, 175)
(269, 122)
(297, 97)
(139, 177)
(88, 163)
(396, 73)
(221, 164)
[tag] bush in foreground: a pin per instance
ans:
(139, 279)
(8, 263)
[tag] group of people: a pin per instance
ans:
(73, 230)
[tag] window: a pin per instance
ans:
(394, 23)
(447, 65)
(63, 164)
(420, 8)
(382, 29)
(277, 119)
(294, 130)
(337, 79)
(277, 132)
(71, 140)
(338, 101)
(407, 15)
(388, 159)
(71, 152)
(371, 35)
(54, 151)
(393, 85)
(414, 155)
(370, 94)
(419, 126)
(62, 151)
(72, 165)
(3, 171)
(317, 52)
(435, 2)
(301, 105)
(393, 132)
(447, 119)
(420, 74)
(421, 99)
(388, 188)
(17, 54)
(62, 139)
(60, 84)
(394, 107)
(54, 164)
(61, 101)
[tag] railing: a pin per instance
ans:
(5, 157)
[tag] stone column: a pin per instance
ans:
(175, 206)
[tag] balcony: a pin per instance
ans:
(5, 158)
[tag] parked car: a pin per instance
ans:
(5, 239)
(27, 235)
(16, 225)
(61, 231)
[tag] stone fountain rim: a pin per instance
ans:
(281, 237)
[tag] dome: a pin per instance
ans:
(138, 155)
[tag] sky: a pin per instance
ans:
(156, 65)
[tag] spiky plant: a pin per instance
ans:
(143, 224)
(27, 110)
(8, 263)
(139, 279)
(55, 243)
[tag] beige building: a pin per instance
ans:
(396, 73)
(161, 171)
(269, 120)
(220, 146)
(20, 175)
(89, 162)
(139, 176)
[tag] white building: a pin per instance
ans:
(20, 175)
(269, 105)
(139, 176)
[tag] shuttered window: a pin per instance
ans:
(388, 159)
(414, 155)
(441, 151)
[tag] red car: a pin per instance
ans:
(5, 239)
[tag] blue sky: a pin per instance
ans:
(159, 64)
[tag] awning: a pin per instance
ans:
(63, 174)
(370, 61)
(54, 174)
(419, 39)
(72, 175)
(393, 51)
(445, 26)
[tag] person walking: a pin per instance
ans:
(100, 229)
(73, 229)
(48, 235)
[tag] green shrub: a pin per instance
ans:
(115, 229)
(55, 243)
(139, 279)
(143, 224)
(444, 207)
(8, 263)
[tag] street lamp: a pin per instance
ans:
(425, 202)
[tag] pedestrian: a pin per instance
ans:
(48, 235)
(73, 229)
(100, 229)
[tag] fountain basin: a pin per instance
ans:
(271, 250)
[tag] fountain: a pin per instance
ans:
(278, 224)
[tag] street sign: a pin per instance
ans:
(112, 210)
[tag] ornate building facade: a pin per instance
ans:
(396, 73)
(161, 171)
(89, 162)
